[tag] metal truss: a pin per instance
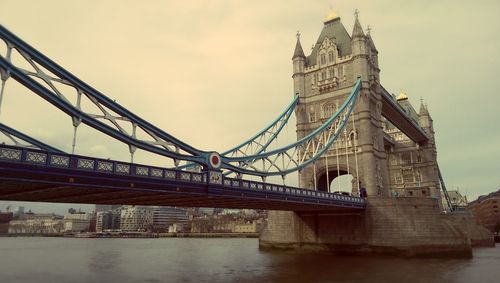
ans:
(260, 141)
(59, 87)
(445, 191)
(300, 154)
(19, 139)
(86, 105)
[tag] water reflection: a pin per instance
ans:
(219, 260)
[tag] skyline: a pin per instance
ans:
(220, 59)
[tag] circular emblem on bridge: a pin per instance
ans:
(214, 160)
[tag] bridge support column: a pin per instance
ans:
(394, 226)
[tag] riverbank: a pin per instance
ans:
(139, 235)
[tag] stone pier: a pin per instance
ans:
(389, 226)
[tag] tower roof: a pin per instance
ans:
(423, 109)
(298, 49)
(370, 40)
(357, 31)
(333, 29)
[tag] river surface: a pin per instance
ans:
(219, 260)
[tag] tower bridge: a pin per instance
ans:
(347, 124)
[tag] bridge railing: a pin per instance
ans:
(210, 178)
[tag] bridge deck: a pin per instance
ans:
(393, 112)
(34, 175)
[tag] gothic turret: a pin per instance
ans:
(299, 60)
(359, 50)
(357, 31)
(424, 119)
(373, 53)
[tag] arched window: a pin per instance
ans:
(331, 73)
(331, 57)
(322, 59)
(327, 110)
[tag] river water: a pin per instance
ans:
(219, 260)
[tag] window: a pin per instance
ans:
(408, 176)
(331, 57)
(406, 158)
(495, 206)
(419, 158)
(418, 177)
(312, 116)
(393, 159)
(327, 110)
(350, 141)
(323, 59)
(316, 77)
(323, 75)
(398, 179)
(331, 73)
(424, 192)
(340, 71)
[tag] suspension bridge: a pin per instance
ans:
(347, 123)
(34, 171)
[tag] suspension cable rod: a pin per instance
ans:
(356, 152)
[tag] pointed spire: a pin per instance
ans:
(298, 48)
(370, 40)
(423, 108)
(358, 30)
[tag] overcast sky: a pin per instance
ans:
(212, 73)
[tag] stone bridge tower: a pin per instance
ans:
(324, 80)
(388, 162)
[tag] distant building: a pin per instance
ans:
(176, 227)
(487, 211)
(231, 211)
(136, 218)
(164, 216)
(206, 210)
(107, 220)
(458, 201)
(19, 211)
(106, 207)
(245, 227)
(77, 221)
(30, 223)
(5, 218)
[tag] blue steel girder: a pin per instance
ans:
(81, 176)
(296, 156)
(14, 135)
(261, 141)
(51, 74)
(260, 162)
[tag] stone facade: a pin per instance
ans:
(404, 226)
(378, 156)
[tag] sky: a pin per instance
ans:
(213, 73)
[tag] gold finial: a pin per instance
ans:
(368, 29)
(356, 13)
(332, 15)
(402, 96)
(298, 35)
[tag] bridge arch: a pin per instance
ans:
(322, 178)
